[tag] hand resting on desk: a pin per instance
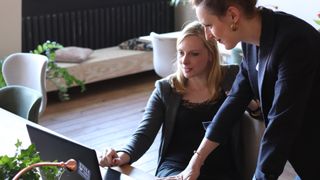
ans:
(119, 161)
(113, 158)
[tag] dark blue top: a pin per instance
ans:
(287, 84)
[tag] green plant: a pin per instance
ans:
(2, 82)
(318, 20)
(10, 166)
(59, 76)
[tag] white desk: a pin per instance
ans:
(13, 127)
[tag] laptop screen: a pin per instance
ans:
(52, 146)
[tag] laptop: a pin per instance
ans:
(55, 147)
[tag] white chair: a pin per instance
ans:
(164, 54)
(27, 69)
(22, 101)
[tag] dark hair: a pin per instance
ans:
(219, 7)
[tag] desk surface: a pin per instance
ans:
(13, 127)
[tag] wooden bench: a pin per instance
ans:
(108, 63)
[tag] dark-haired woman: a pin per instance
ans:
(281, 69)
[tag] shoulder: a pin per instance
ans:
(287, 26)
(165, 91)
(163, 85)
(284, 33)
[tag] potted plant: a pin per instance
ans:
(10, 166)
(59, 76)
(2, 82)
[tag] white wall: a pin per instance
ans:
(10, 19)
(183, 14)
(10, 27)
(304, 9)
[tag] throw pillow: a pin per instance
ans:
(136, 44)
(73, 54)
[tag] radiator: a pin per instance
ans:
(97, 27)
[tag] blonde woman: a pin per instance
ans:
(180, 104)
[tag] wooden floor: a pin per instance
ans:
(107, 114)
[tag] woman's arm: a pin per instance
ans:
(200, 155)
(144, 135)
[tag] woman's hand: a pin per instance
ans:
(254, 109)
(192, 171)
(112, 158)
(254, 105)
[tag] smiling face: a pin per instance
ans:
(217, 28)
(193, 57)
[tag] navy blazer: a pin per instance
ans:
(284, 74)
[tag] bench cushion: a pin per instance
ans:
(73, 54)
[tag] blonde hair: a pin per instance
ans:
(179, 82)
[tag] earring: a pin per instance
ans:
(234, 27)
